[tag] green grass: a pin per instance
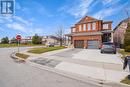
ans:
(126, 81)
(43, 50)
(15, 45)
(24, 56)
(123, 53)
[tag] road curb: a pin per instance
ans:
(12, 55)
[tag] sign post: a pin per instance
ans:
(18, 38)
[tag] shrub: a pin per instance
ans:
(5, 40)
(127, 37)
(127, 48)
(36, 39)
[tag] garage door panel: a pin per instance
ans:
(93, 44)
(79, 43)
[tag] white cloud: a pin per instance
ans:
(109, 11)
(104, 13)
(4, 20)
(16, 26)
(26, 29)
(21, 20)
(78, 9)
(36, 31)
(107, 1)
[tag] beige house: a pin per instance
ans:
(26, 40)
(50, 40)
(119, 32)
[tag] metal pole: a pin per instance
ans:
(18, 46)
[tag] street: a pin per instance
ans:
(13, 74)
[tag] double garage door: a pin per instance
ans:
(91, 44)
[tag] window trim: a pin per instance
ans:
(89, 26)
(80, 27)
(84, 27)
(105, 26)
(74, 29)
(93, 26)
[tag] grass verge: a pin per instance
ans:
(123, 53)
(23, 56)
(43, 50)
(21, 45)
(126, 81)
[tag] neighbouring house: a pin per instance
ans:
(90, 33)
(50, 40)
(119, 32)
(26, 40)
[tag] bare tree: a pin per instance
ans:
(60, 34)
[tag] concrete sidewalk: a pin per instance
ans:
(93, 72)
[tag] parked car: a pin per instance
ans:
(108, 47)
(50, 44)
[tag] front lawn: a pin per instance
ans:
(126, 81)
(43, 50)
(123, 53)
(24, 56)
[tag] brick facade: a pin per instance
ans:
(88, 29)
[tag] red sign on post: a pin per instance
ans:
(18, 37)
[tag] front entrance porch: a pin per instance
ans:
(106, 37)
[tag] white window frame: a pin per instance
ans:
(74, 29)
(80, 27)
(89, 26)
(94, 26)
(105, 26)
(84, 27)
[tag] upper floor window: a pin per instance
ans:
(80, 28)
(74, 29)
(89, 26)
(93, 26)
(84, 27)
(105, 26)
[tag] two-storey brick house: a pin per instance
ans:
(90, 32)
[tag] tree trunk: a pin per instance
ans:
(60, 42)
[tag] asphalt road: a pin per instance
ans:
(14, 74)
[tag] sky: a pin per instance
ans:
(44, 17)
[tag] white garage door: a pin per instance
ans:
(93, 44)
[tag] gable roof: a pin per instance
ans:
(87, 19)
(125, 20)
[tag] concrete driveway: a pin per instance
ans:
(85, 63)
(89, 55)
